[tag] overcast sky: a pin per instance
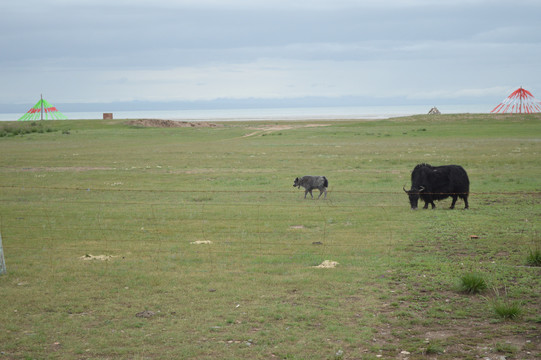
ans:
(76, 51)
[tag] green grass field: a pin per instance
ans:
(146, 197)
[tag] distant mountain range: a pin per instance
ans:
(226, 103)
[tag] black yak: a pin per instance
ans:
(312, 182)
(438, 182)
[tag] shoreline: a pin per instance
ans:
(271, 114)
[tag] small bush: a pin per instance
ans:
(433, 349)
(507, 309)
(23, 129)
(534, 258)
(505, 348)
(472, 283)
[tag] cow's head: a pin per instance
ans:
(414, 193)
(297, 183)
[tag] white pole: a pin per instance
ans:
(41, 107)
(2, 262)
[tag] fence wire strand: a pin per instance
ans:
(60, 228)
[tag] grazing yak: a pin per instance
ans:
(436, 183)
(312, 182)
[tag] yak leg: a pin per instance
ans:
(466, 202)
(428, 200)
(308, 191)
(454, 201)
(321, 191)
(431, 202)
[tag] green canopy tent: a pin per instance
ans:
(43, 111)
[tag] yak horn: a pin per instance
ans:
(421, 188)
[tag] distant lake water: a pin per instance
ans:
(311, 113)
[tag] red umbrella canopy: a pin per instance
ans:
(520, 101)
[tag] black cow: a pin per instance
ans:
(438, 182)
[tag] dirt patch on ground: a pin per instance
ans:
(64, 168)
(145, 314)
(327, 264)
(433, 325)
(87, 257)
(263, 129)
(296, 227)
(169, 123)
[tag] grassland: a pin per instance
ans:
(143, 197)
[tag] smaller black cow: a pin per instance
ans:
(438, 182)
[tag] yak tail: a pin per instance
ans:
(325, 182)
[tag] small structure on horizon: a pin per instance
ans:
(434, 111)
(43, 111)
(107, 116)
(520, 101)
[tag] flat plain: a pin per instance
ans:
(148, 240)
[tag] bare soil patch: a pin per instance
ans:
(327, 264)
(87, 257)
(201, 242)
(260, 130)
(170, 123)
(65, 169)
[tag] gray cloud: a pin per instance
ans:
(204, 49)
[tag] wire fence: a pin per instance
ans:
(221, 228)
